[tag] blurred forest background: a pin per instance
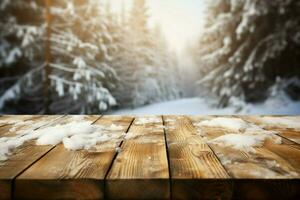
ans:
(80, 57)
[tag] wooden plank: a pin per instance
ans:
(196, 172)
(140, 170)
(63, 174)
(13, 119)
(25, 122)
(289, 133)
(21, 158)
(259, 120)
(255, 171)
(289, 149)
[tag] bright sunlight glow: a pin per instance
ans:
(180, 20)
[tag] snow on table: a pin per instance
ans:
(153, 157)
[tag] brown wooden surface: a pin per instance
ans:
(268, 165)
(13, 119)
(288, 133)
(140, 170)
(22, 157)
(153, 162)
(193, 165)
(70, 174)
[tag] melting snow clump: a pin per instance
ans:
(118, 149)
(75, 135)
(235, 124)
(244, 136)
(147, 120)
(114, 127)
(286, 122)
(244, 142)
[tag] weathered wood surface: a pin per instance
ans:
(292, 134)
(70, 174)
(193, 165)
(23, 156)
(140, 170)
(14, 119)
(161, 157)
(268, 165)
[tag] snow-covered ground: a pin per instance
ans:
(200, 106)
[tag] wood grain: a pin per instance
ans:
(21, 158)
(196, 172)
(174, 161)
(266, 165)
(13, 119)
(63, 174)
(289, 133)
(140, 170)
(13, 126)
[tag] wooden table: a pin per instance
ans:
(164, 159)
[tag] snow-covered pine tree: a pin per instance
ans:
(144, 85)
(21, 55)
(132, 62)
(119, 27)
(168, 73)
(141, 62)
(81, 50)
(246, 44)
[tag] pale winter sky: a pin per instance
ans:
(180, 20)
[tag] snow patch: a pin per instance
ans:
(244, 142)
(75, 135)
(17, 124)
(282, 122)
(118, 149)
(147, 120)
(229, 123)
(114, 127)
(11, 121)
(54, 135)
(244, 136)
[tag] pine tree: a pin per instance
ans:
(246, 45)
(81, 78)
(96, 59)
(146, 88)
(132, 61)
(142, 63)
(21, 55)
(167, 75)
(81, 46)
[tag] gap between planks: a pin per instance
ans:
(280, 132)
(251, 171)
(167, 152)
(62, 173)
(54, 146)
(114, 158)
(168, 156)
(142, 164)
(14, 158)
(13, 180)
(193, 164)
(52, 122)
(43, 155)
